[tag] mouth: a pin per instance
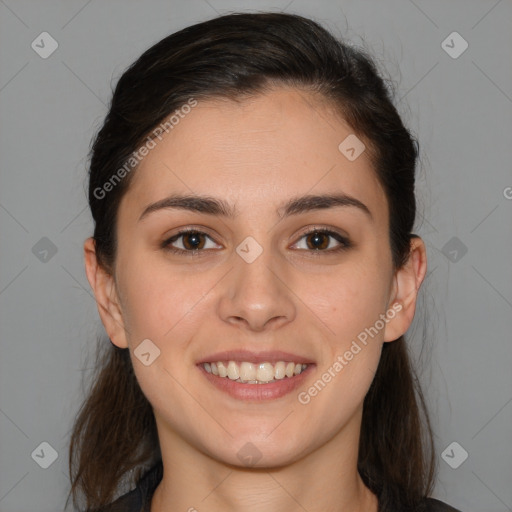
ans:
(259, 373)
(248, 376)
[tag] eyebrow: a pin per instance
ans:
(216, 206)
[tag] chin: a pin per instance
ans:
(260, 451)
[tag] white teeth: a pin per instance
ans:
(280, 368)
(247, 371)
(250, 373)
(233, 373)
(223, 372)
(265, 372)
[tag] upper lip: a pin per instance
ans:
(272, 356)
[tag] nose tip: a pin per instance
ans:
(257, 322)
(254, 296)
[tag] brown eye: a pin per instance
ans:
(317, 240)
(189, 242)
(193, 240)
(320, 240)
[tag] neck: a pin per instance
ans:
(325, 480)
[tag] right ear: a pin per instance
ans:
(105, 292)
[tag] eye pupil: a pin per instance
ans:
(317, 237)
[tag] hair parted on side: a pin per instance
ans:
(233, 57)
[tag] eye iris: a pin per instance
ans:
(317, 237)
(196, 240)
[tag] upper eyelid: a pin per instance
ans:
(331, 230)
(185, 231)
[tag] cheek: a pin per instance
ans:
(157, 301)
(347, 306)
(351, 333)
(166, 309)
(346, 302)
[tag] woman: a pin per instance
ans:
(253, 263)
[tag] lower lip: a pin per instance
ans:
(258, 392)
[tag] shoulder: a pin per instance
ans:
(433, 505)
(129, 502)
(138, 499)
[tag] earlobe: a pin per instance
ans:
(406, 284)
(104, 288)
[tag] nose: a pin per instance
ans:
(255, 295)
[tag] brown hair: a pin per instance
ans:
(235, 56)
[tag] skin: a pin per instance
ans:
(256, 154)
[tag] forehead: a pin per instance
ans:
(255, 152)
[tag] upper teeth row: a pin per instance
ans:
(252, 373)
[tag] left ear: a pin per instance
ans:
(406, 284)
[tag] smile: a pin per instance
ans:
(272, 381)
(259, 373)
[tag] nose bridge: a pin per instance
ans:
(256, 292)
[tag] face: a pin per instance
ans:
(304, 285)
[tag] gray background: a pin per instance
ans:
(461, 110)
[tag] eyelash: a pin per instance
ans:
(345, 243)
